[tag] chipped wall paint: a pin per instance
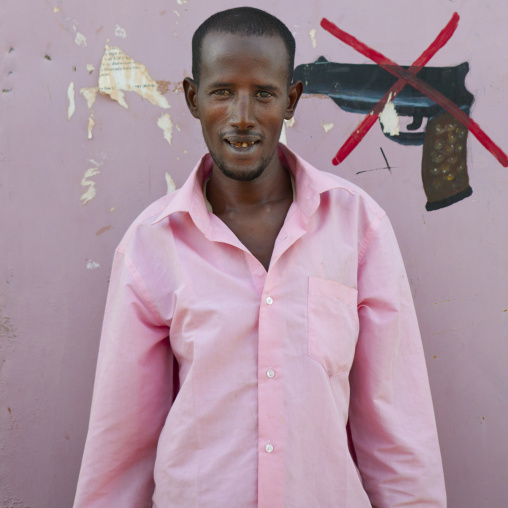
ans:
(170, 183)
(90, 94)
(80, 40)
(165, 123)
(90, 193)
(390, 119)
(283, 138)
(327, 126)
(120, 72)
(312, 34)
(120, 32)
(90, 68)
(72, 103)
(92, 265)
(91, 123)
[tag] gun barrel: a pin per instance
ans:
(357, 88)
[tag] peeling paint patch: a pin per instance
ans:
(85, 182)
(327, 126)
(72, 103)
(90, 68)
(57, 9)
(80, 40)
(181, 2)
(177, 13)
(91, 124)
(170, 184)
(103, 230)
(120, 72)
(389, 118)
(90, 94)
(165, 123)
(312, 34)
(92, 265)
(163, 86)
(289, 123)
(120, 32)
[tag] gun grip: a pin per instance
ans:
(444, 162)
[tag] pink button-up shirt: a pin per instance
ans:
(271, 364)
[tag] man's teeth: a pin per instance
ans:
(243, 144)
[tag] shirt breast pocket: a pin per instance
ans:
(333, 324)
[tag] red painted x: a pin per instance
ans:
(409, 77)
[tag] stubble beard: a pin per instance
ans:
(241, 175)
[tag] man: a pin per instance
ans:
(280, 292)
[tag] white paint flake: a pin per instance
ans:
(283, 138)
(80, 40)
(56, 9)
(120, 72)
(90, 68)
(90, 94)
(165, 123)
(72, 103)
(85, 182)
(120, 32)
(289, 123)
(170, 184)
(92, 265)
(91, 124)
(181, 2)
(327, 126)
(389, 118)
(177, 13)
(312, 34)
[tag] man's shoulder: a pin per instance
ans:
(341, 190)
(147, 218)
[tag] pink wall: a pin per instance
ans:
(56, 252)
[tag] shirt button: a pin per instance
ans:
(270, 373)
(269, 300)
(269, 447)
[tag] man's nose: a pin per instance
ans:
(242, 112)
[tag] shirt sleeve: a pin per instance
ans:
(133, 392)
(391, 414)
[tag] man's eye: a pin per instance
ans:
(222, 92)
(264, 94)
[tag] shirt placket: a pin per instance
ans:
(271, 376)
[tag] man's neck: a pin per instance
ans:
(255, 210)
(229, 195)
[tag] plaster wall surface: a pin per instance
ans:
(66, 200)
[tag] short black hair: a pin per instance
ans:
(242, 21)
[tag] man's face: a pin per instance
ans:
(242, 100)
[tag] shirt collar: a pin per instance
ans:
(309, 184)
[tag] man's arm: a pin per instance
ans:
(132, 395)
(391, 414)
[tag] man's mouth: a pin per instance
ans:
(241, 144)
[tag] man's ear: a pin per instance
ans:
(191, 96)
(294, 94)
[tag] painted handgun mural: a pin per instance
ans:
(387, 91)
(358, 88)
